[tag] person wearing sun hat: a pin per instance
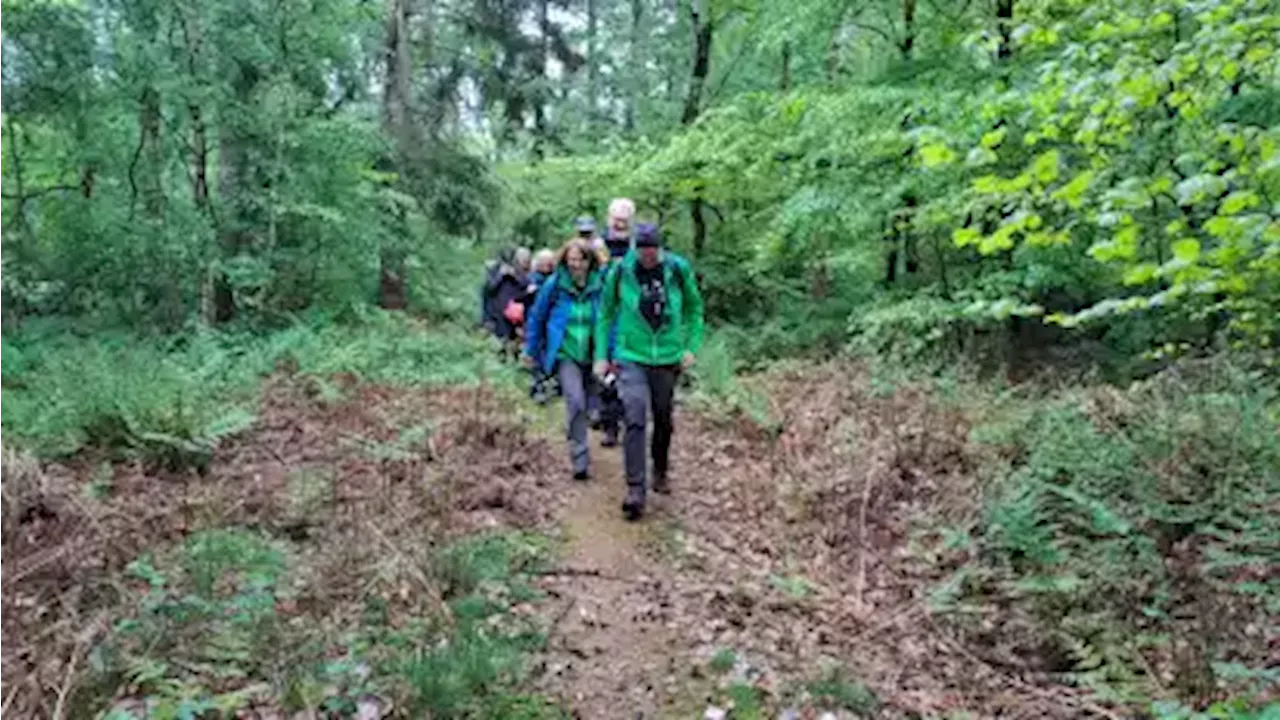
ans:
(652, 297)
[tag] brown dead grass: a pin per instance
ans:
(371, 534)
(829, 506)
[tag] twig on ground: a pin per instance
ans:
(8, 699)
(559, 618)
(862, 539)
(69, 679)
(1079, 703)
(416, 571)
(582, 572)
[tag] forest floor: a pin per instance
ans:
(784, 577)
(778, 579)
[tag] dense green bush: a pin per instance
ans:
(1116, 516)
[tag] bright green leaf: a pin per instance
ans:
(1187, 250)
(964, 237)
(1073, 192)
(1237, 201)
(1140, 274)
(1045, 166)
(936, 154)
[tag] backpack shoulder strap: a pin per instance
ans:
(613, 279)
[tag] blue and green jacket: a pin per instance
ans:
(563, 320)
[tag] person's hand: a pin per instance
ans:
(688, 360)
(527, 361)
(602, 368)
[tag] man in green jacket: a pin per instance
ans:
(653, 295)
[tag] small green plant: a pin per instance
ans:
(1087, 530)
(795, 586)
(310, 492)
(836, 690)
(723, 661)
(747, 701)
(1235, 709)
(721, 392)
(206, 622)
(474, 667)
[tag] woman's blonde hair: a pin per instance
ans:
(545, 254)
(584, 246)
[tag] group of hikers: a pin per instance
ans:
(610, 321)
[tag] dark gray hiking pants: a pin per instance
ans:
(645, 387)
(574, 384)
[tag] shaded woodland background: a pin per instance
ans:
(1040, 239)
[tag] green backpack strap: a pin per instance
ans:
(615, 276)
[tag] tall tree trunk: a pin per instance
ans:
(20, 214)
(702, 35)
(152, 154)
(1004, 23)
(784, 83)
(703, 29)
(908, 40)
(397, 102)
(234, 189)
(593, 68)
(835, 48)
(633, 65)
(215, 294)
(540, 96)
(18, 222)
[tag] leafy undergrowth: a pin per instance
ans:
(362, 554)
(1095, 552)
(1128, 539)
(171, 400)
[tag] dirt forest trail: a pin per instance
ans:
(741, 593)
(609, 647)
(640, 610)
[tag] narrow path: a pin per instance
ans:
(612, 650)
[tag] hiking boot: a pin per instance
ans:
(661, 485)
(582, 475)
(633, 505)
(610, 439)
(540, 396)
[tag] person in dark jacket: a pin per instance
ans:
(559, 337)
(503, 286)
(618, 234)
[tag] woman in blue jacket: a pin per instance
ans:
(558, 336)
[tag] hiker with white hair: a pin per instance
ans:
(618, 241)
(618, 233)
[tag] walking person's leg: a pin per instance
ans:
(593, 403)
(633, 390)
(662, 385)
(612, 414)
(573, 380)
